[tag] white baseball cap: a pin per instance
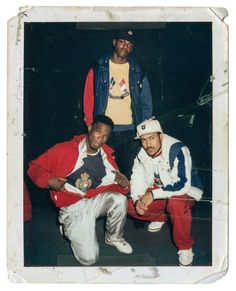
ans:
(148, 126)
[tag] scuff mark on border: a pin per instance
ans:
(220, 13)
(111, 16)
(21, 14)
(15, 277)
(154, 274)
(105, 271)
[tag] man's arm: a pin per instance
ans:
(182, 171)
(88, 99)
(121, 179)
(142, 204)
(146, 98)
(56, 183)
(41, 170)
(138, 182)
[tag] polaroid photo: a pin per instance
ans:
(179, 74)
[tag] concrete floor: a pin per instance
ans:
(44, 245)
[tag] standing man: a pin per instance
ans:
(85, 184)
(116, 86)
(163, 180)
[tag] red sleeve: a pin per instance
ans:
(89, 98)
(41, 169)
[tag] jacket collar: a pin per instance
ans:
(105, 59)
(78, 138)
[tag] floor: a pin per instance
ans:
(44, 245)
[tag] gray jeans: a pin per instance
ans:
(79, 222)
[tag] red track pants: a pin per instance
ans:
(179, 209)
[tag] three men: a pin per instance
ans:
(163, 180)
(85, 184)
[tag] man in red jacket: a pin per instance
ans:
(85, 184)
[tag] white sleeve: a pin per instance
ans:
(138, 182)
(182, 172)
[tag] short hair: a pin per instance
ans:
(103, 119)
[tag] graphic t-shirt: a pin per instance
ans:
(155, 162)
(119, 100)
(90, 175)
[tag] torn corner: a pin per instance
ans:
(21, 14)
(220, 12)
(15, 277)
(212, 278)
(23, 9)
(218, 275)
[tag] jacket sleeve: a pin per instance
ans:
(146, 98)
(88, 98)
(41, 169)
(138, 182)
(182, 172)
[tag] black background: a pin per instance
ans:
(177, 58)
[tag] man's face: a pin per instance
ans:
(151, 143)
(97, 136)
(122, 48)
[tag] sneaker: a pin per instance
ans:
(155, 226)
(122, 245)
(185, 257)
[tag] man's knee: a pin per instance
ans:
(178, 205)
(119, 200)
(87, 261)
(86, 257)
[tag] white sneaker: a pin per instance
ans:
(155, 226)
(122, 245)
(185, 257)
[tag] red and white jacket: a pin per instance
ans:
(60, 160)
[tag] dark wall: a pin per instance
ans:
(177, 58)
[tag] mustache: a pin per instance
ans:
(150, 148)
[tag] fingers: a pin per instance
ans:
(62, 179)
(121, 179)
(114, 171)
(118, 175)
(140, 208)
(57, 183)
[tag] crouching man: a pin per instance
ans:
(85, 184)
(163, 180)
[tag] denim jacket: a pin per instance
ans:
(141, 99)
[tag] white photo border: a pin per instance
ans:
(16, 269)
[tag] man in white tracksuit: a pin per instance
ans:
(163, 180)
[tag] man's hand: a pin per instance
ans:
(121, 179)
(142, 204)
(140, 207)
(56, 183)
(147, 198)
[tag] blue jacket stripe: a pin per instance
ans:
(181, 174)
